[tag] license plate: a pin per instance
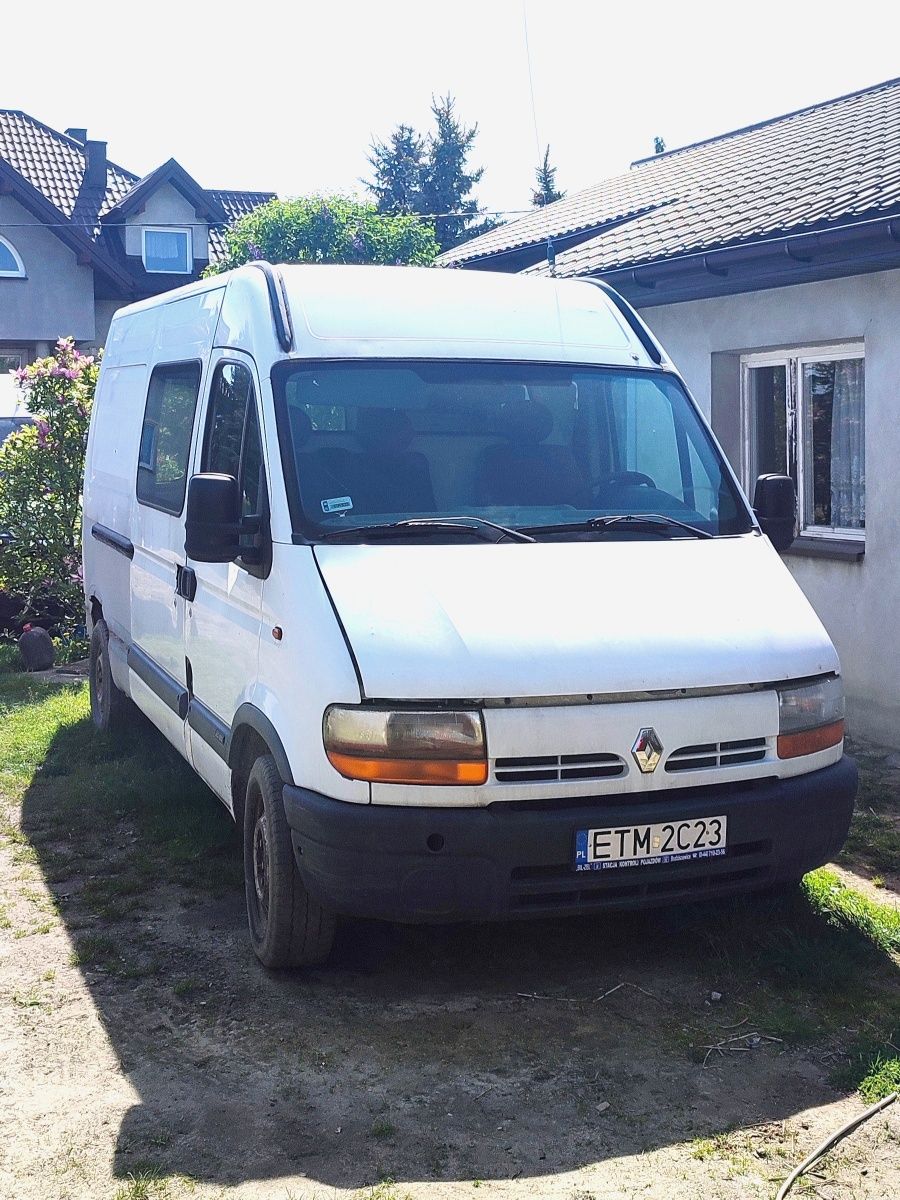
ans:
(650, 845)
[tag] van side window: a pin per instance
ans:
(166, 435)
(233, 444)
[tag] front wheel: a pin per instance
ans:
(287, 927)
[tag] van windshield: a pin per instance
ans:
(526, 445)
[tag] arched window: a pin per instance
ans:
(11, 266)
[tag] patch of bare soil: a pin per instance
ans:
(424, 1056)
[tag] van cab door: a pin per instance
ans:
(222, 622)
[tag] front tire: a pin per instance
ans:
(109, 705)
(287, 927)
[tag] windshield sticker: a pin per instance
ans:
(337, 504)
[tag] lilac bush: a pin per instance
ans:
(41, 470)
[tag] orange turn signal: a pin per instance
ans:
(408, 770)
(810, 741)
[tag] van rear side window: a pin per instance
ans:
(166, 435)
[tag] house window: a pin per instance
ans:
(11, 265)
(168, 251)
(804, 416)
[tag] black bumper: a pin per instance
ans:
(515, 860)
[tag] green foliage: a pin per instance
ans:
(546, 191)
(10, 659)
(71, 647)
(430, 175)
(41, 470)
(846, 909)
(327, 229)
(873, 1068)
(399, 166)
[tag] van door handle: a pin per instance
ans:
(185, 582)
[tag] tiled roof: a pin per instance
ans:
(236, 204)
(831, 163)
(55, 164)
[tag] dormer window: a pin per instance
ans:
(11, 265)
(168, 251)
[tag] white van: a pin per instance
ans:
(441, 583)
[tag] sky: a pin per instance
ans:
(288, 98)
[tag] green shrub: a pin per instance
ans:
(327, 229)
(41, 470)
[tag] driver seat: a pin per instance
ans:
(525, 469)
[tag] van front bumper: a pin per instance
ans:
(511, 860)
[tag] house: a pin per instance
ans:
(767, 260)
(80, 236)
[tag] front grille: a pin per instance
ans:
(717, 754)
(558, 768)
(669, 795)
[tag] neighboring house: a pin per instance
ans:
(81, 236)
(767, 260)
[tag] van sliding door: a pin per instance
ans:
(156, 655)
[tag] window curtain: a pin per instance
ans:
(166, 250)
(848, 446)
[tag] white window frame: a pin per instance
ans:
(793, 360)
(16, 351)
(19, 272)
(185, 229)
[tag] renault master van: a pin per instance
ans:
(442, 584)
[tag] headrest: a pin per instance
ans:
(301, 427)
(385, 429)
(528, 421)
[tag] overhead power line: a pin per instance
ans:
(483, 212)
(537, 140)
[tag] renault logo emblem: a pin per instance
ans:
(647, 751)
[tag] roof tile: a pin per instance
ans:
(829, 163)
(55, 163)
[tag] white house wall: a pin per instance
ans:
(164, 207)
(57, 297)
(859, 602)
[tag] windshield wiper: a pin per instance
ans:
(488, 531)
(653, 522)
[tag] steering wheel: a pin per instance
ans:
(628, 478)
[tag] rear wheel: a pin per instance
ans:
(109, 705)
(287, 927)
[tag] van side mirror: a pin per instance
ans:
(212, 523)
(775, 505)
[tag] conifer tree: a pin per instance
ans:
(430, 175)
(546, 191)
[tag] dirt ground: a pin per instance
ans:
(145, 1053)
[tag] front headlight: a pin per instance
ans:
(405, 745)
(810, 717)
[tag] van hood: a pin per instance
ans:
(479, 621)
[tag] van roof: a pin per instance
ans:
(426, 312)
(431, 312)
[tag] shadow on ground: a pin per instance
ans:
(454, 1053)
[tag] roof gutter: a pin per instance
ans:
(713, 262)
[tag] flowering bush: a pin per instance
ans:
(41, 469)
(327, 229)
